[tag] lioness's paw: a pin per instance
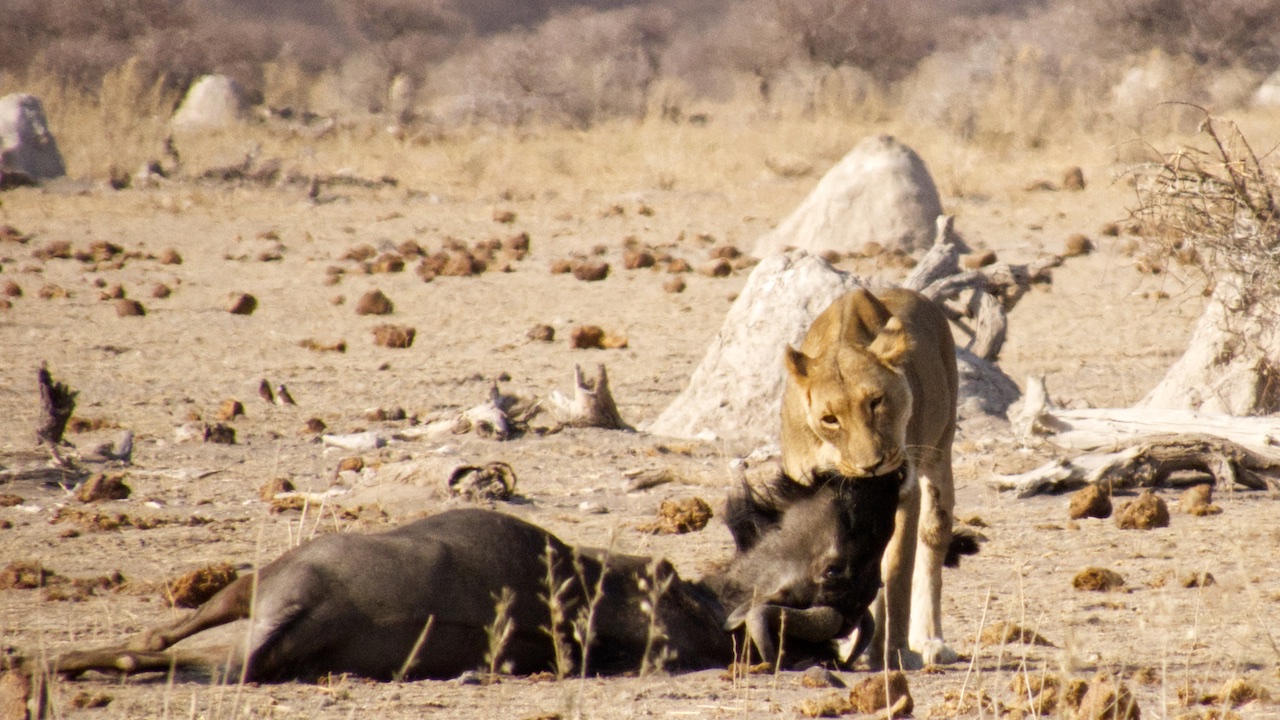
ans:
(935, 652)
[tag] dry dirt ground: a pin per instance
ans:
(1103, 333)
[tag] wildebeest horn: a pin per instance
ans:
(765, 622)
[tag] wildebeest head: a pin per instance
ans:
(811, 545)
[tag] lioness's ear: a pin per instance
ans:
(892, 344)
(797, 363)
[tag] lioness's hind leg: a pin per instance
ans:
(937, 505)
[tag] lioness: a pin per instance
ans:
(873, 386)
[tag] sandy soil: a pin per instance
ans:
(1102, 332)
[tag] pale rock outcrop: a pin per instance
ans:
(27, 147)
(212, 102)
(735, 393)
(881, 191)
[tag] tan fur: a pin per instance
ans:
(872, 386)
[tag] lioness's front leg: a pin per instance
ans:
(937, 505)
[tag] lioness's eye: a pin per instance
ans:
(875, 402)
(831, 421)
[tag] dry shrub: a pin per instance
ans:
(1145, 513)
(194, 588)
(1005, 633)
(398, 337)
(676, 517)
(103, 487)
(1096, 579)
(1216, 209)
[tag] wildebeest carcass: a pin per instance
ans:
(473, 588)
(421, 601)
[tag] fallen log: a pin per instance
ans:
(592, 404)
(1149, 462)
(1140, 447)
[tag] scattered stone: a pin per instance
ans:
(1073, 179)
(1077, 245)
(24, 575)
(51, 291)
(516, 246)
(103, 487)
(160, 291)
(130, 308)
(338, 346)
(678, 265)
(1195, 580)
(583, 337)
(11, 289)
(374, 303)
(976, 260)
(395, 414)
(194, 588)
(876, 693)
(1094, 579)
(589, 271)
(229, 410)
(541, 333)
(677, 517)
(1107, 699)
(387, 263)
(460, 263)
(1006, 633)
(85, 700)
(1042, 693)
(360, 253)
(354, 463)
(637, 259)
(724, 252)
(314, 426)
(220, 434)
(820, 677)
(274, 487)
(169, 256)
(10, 500)
(716, 268)
(614, 341)
(1109, 229)
(397, 337)
(506, 217)
(282, 395)
(674, 285)
(1090, 501)
(1146, 512)
(561, 266)
(1240, 691)
(1198, 500)
(241, 304)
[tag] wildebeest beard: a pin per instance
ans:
(815, 544)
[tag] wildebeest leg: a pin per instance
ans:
(764, 623)
(937, 504)
(230, 604)
(890, 610)
(125, 661)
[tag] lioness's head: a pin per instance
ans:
(856, 402)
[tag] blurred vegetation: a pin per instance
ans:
(578, 62)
